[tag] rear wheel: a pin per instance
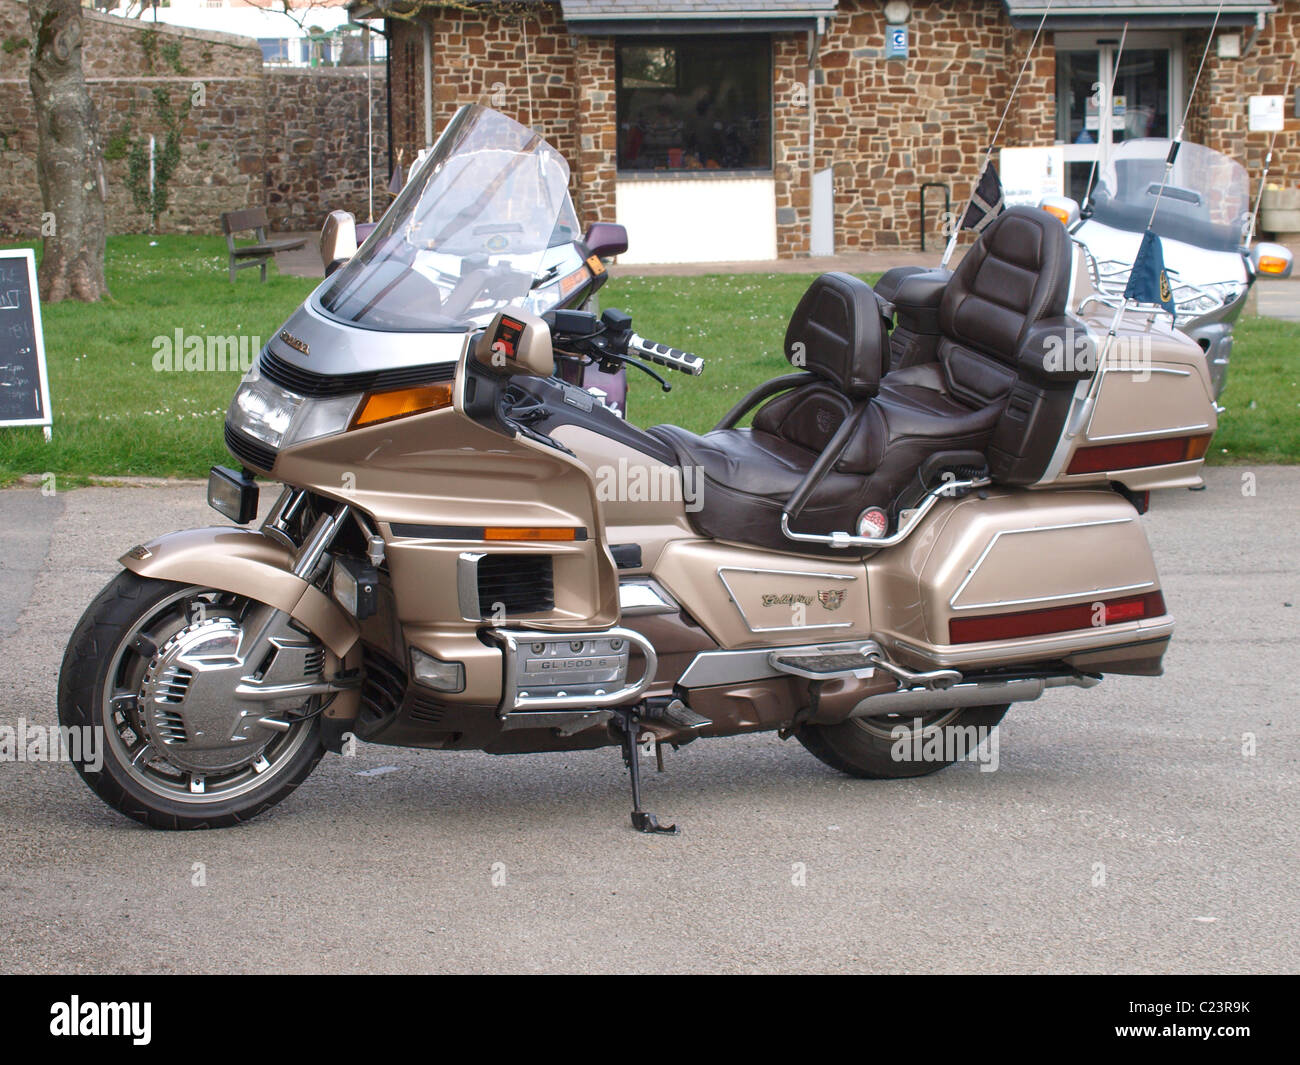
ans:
(188, 697)
(901, 745)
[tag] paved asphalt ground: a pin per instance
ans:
(385, 861)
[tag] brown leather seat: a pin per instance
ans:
(837, 337)
(876, 433)
(1016, 275)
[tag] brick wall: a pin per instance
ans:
(294, 141)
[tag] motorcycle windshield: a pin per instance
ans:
(1206, 202)
(465, 237)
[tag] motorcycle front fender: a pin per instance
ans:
(250, 564)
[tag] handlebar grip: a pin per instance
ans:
(673, 358)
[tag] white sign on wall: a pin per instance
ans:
(1266, 113)
(1029, 174)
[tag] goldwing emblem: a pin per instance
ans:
(831, 600)
(294, 342)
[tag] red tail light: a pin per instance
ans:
(1055, 619)
(1132, 456)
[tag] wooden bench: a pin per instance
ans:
(254, 220)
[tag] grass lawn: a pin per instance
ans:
(114, 415)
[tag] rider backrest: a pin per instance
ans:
(837, 335)
(836, 332)
(1015, 274)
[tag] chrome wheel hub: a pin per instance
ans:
(211, 695)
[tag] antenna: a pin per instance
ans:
(1086, 408)
(1106, 108)
(988, 154)
(1268, 157)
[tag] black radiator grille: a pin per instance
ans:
(249, 451)
(425, 710)
(319, 386)
(383, 687)
(515, 584)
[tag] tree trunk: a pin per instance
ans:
(69, 165)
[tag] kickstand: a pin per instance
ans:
(641, 821)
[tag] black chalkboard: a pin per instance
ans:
(24, 386)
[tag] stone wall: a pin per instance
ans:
(315, 144)
(526, 65)
(1218, 116)
(293, 141)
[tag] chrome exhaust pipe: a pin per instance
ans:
(968, 693)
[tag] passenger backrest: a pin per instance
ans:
(1015, 274)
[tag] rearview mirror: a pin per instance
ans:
(1062, 208)
(604, 239)
(1271, 261)
(338, 240)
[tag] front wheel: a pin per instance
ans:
(193, 707)
(901, 745)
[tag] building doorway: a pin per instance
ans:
(1147, 99)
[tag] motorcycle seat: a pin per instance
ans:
(881, 429)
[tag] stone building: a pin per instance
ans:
(763, 128)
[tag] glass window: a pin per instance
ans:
(274, 49)
(695, 103)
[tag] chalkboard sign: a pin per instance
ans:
(24, 383)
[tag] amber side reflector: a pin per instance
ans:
(384, 406)
(1272, 264)
(1055, 619)
(503, 533)
(1132, 456)
(1058, 213)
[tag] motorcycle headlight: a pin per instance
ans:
(281, 418)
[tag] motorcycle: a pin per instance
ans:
(1203, 220)
(470, 552)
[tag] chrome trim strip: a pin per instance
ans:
(644, 595)
(732, 667)
(1052, 598)
(467, 585)
(1089, 440)
(1012, 532)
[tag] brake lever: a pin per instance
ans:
(628, 361)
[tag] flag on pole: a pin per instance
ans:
(986, 201)
(1147, 281)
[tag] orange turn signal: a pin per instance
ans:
(1272, 264)
(384, 406)
(504, 533)
(1058, 212)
